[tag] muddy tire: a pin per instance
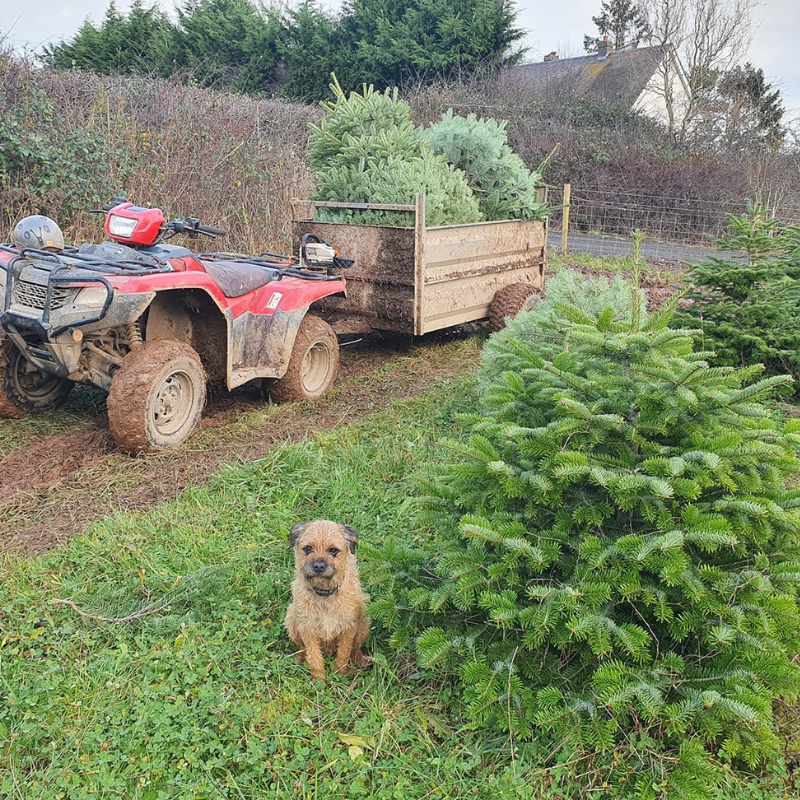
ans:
(23, 388)
(313, 366)
(509, 301)
(156, 396)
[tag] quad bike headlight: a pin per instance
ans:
(121, 226)
(92, 297)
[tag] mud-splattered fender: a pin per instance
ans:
(259, 345)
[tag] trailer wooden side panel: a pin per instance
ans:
(380, 285)
(466, 264)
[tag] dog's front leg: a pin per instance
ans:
(316, 661)
(344, 652)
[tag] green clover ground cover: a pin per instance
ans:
(198, 695)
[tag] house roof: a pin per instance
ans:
(620, 76)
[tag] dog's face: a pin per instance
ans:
(323, 551)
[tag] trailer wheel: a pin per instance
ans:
(313, 365)
(23, 388)
(509, 300)
(156, 396)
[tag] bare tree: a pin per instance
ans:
(700, 40)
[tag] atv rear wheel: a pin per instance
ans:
(156, 396)
(313, 366)
(24, 389)
(509, 300)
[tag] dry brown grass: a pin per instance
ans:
(232, 161)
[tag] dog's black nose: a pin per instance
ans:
(319, 567)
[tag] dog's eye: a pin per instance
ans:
(334, 551)
(308, 549)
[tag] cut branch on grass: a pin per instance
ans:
(148, 610)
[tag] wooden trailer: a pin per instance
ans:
(418, 280)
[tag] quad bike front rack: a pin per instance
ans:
(67, 262)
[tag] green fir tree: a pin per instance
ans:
(612, 562)
(749, 307)
(366, 149)
(504, 186)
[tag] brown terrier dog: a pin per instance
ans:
(327, 611)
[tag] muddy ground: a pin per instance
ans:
(58, 484)
(52, 490)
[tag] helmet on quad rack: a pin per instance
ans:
(39, 232)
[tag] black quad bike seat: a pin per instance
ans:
(236, 278)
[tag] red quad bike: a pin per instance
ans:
(151, 323)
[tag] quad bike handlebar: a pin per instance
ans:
(192, 226)
(141, 227)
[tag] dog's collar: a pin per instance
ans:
(326, 592)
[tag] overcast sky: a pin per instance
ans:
(560, 27)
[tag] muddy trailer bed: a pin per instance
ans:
(417, 280)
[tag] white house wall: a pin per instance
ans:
(651, 101)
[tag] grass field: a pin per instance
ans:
(197, 694)
(146, 658)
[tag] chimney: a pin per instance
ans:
(605, 47)
(551, 56)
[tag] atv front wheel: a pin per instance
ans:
(24, 389)
(508, 301)
(156, 396)
(313, 366)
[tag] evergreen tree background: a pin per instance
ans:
(141, 40)
(228, 43)
(753, 112)
(623, 21)
(292, 50)
(400, 41)
(313, 48)
(613, 560)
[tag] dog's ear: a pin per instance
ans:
(296, 532)
(351, 537)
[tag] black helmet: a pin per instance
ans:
(39, 232)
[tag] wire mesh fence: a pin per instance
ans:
(600, 221)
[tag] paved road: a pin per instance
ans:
(651, 250)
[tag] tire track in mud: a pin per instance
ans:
(53, 458)
(53, 489)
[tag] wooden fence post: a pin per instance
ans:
(565, 217)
